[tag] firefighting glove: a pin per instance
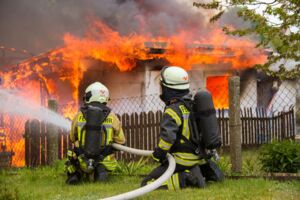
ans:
(69, 167)
(78, 151)
(82, 162)
(159, 155)
(108, 150)
(71, 155)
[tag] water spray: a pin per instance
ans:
(12, 103)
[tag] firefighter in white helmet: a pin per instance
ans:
(176, 135)
(93, 131)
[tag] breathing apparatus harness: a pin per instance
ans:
(92, 151)
(196, 143)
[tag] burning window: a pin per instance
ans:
(218, 86)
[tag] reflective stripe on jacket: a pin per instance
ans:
(175, 121)
(114, 134)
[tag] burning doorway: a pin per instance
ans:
(218, 86)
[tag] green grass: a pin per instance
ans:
(49, 183)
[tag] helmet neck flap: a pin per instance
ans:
(168, 94)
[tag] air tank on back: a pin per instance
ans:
(206, 119)
(93, 133)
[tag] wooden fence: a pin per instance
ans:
(142, 132)
(258, 127)
(36, 143)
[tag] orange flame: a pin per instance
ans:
(12, 141)
(218, 86)
(18, 149)
(102, 43)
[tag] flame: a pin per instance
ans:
(45, 76)
(102, 43)
(218, 86)
(17, 147)
(66, 65)
(69, 109)
(13, 141)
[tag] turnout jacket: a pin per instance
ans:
(113, 128)
(175, 125)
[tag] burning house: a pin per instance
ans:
(137, 89)
(126, 52)
(53, 75)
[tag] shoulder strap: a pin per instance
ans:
(196, 147)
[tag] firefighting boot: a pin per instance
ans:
(211, 171)
(193, 177)
(73, 179)
(100, 173)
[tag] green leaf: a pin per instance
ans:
(271, 34)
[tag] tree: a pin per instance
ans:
(277, 25)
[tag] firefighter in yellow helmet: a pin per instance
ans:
(93, 131)
(193, 168)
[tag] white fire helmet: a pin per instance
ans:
(175, 77)
(96, 92)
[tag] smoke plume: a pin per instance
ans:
(39, 25)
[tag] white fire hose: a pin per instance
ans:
(152, 186)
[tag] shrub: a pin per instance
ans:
(251, 166)
(280, 157)
(131, 168)
(224, 165)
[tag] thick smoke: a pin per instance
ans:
(39, 25)
(230, 17)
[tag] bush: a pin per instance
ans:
(131, 168)
(280, 157)
(251, 166)
(224, 165)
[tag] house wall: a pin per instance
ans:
(120, 84)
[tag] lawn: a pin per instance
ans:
(48, 183)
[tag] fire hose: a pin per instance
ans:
(150, 187)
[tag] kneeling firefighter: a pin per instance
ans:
(188, 131)
(93, 131)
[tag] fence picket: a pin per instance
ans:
(43, 144)
(143, 128)
(158, 118)
(292, 121)
(35, 145)
(250, 128)
(27, 143)
(65, 143)
(151, 135)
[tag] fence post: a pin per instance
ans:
(297, 108)
(35, 145)
(52, 136)
(235, 124)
